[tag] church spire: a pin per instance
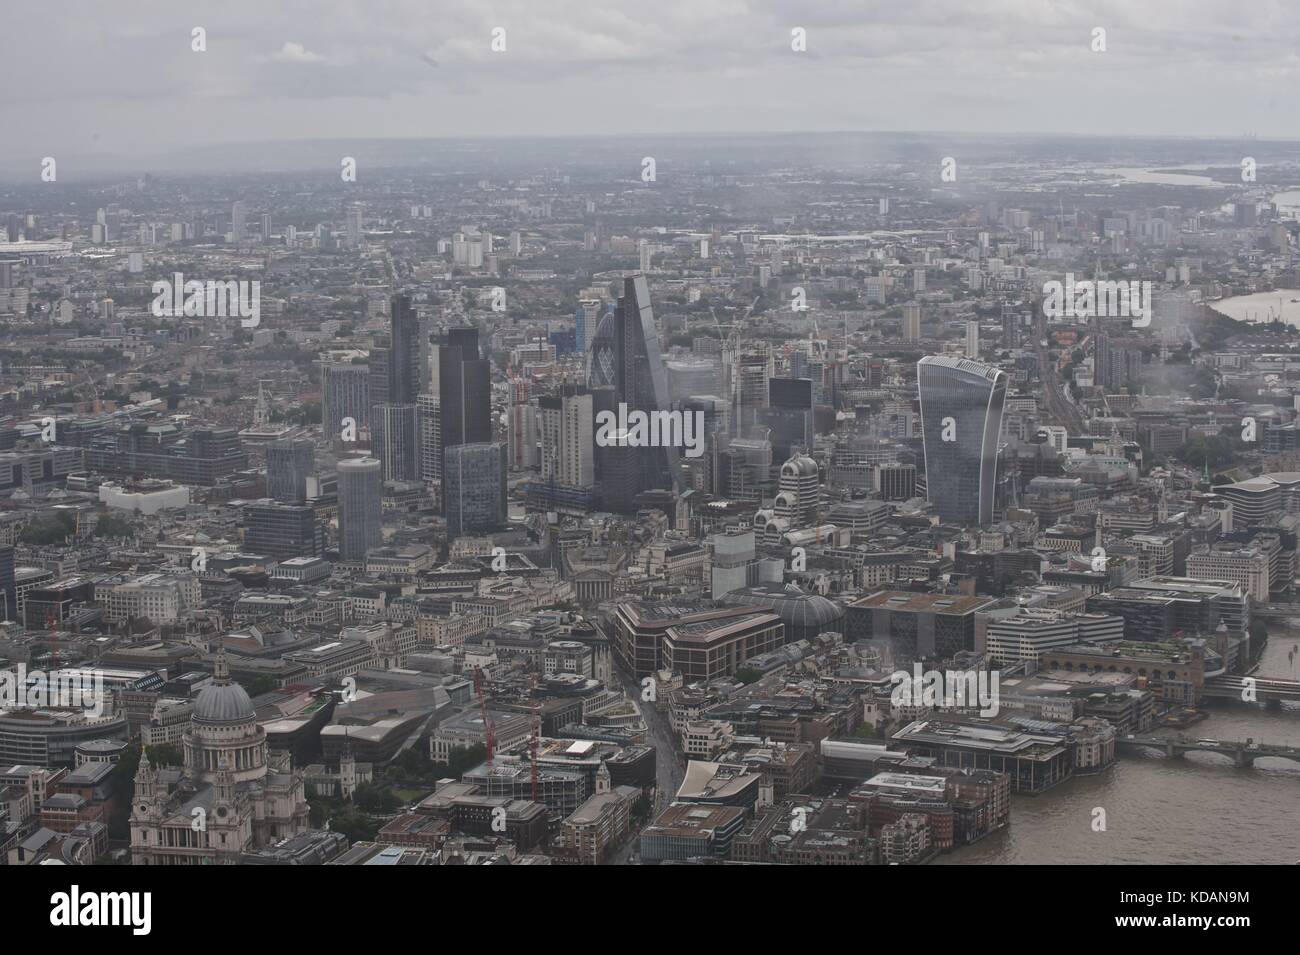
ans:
(221, 670)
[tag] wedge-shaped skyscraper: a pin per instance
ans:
(961, 413)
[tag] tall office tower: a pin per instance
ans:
(799, 497)
(474, 488)
(973, 340)
(692, 376)
(361, 485)
(1013, 325)
(408, 356)
(752, 374)
(345, 394)
(282, 530)
(585, 320)
(398, 365)
(788, 416)
(567, 432)
(714, 409)
(354, 227)
(516, 243)
(741, 468)
(643, 247)
(602, 361)
(7, 270)
(521, 436)
(464, 392)
(961, 414)
(911, 323)
(238, 220)
(918, 280)
(266, 227)
(288, 465)
(1117, 363)
(8, 584)
(393, 441)
(428, 432)
(640, 382)
(381, 377)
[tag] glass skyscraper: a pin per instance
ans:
(474, 488)
(288, 465)
(361, 488)
(961, 414)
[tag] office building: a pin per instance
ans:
(474, 488)
(567, 432)
(961, 414)
(428, 435)
(360, 507)
(911, 323)
(464, 391)
(393, 439)
(288, 465)
(345, 394)
(282, 530)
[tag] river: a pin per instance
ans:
(1196, 810)
(1262, 306)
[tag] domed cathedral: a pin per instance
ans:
(228, 799)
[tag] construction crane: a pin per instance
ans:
(535, 740)
(52, 622)
(489, 728)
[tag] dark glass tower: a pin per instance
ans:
(961, 414)
(397, 367)
(288, 465)
(474, 488)
(639, 381)
(361, 525)
(464, 391)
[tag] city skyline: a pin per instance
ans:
(453, 436)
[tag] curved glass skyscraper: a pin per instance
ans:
(961, 414)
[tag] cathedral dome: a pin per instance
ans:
(223, 703)
(223, 700)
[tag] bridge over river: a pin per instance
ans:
(1241, 754)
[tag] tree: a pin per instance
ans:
(259, 685)
(110, 525)
(375, 799)
(165, 754)
(49, 530)
(748, 675)
(460, 760)
(1258, 633)
(357, 826)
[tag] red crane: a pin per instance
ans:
(488, 727)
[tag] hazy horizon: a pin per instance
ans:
(107, 86)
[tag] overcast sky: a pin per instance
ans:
(121, 78)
